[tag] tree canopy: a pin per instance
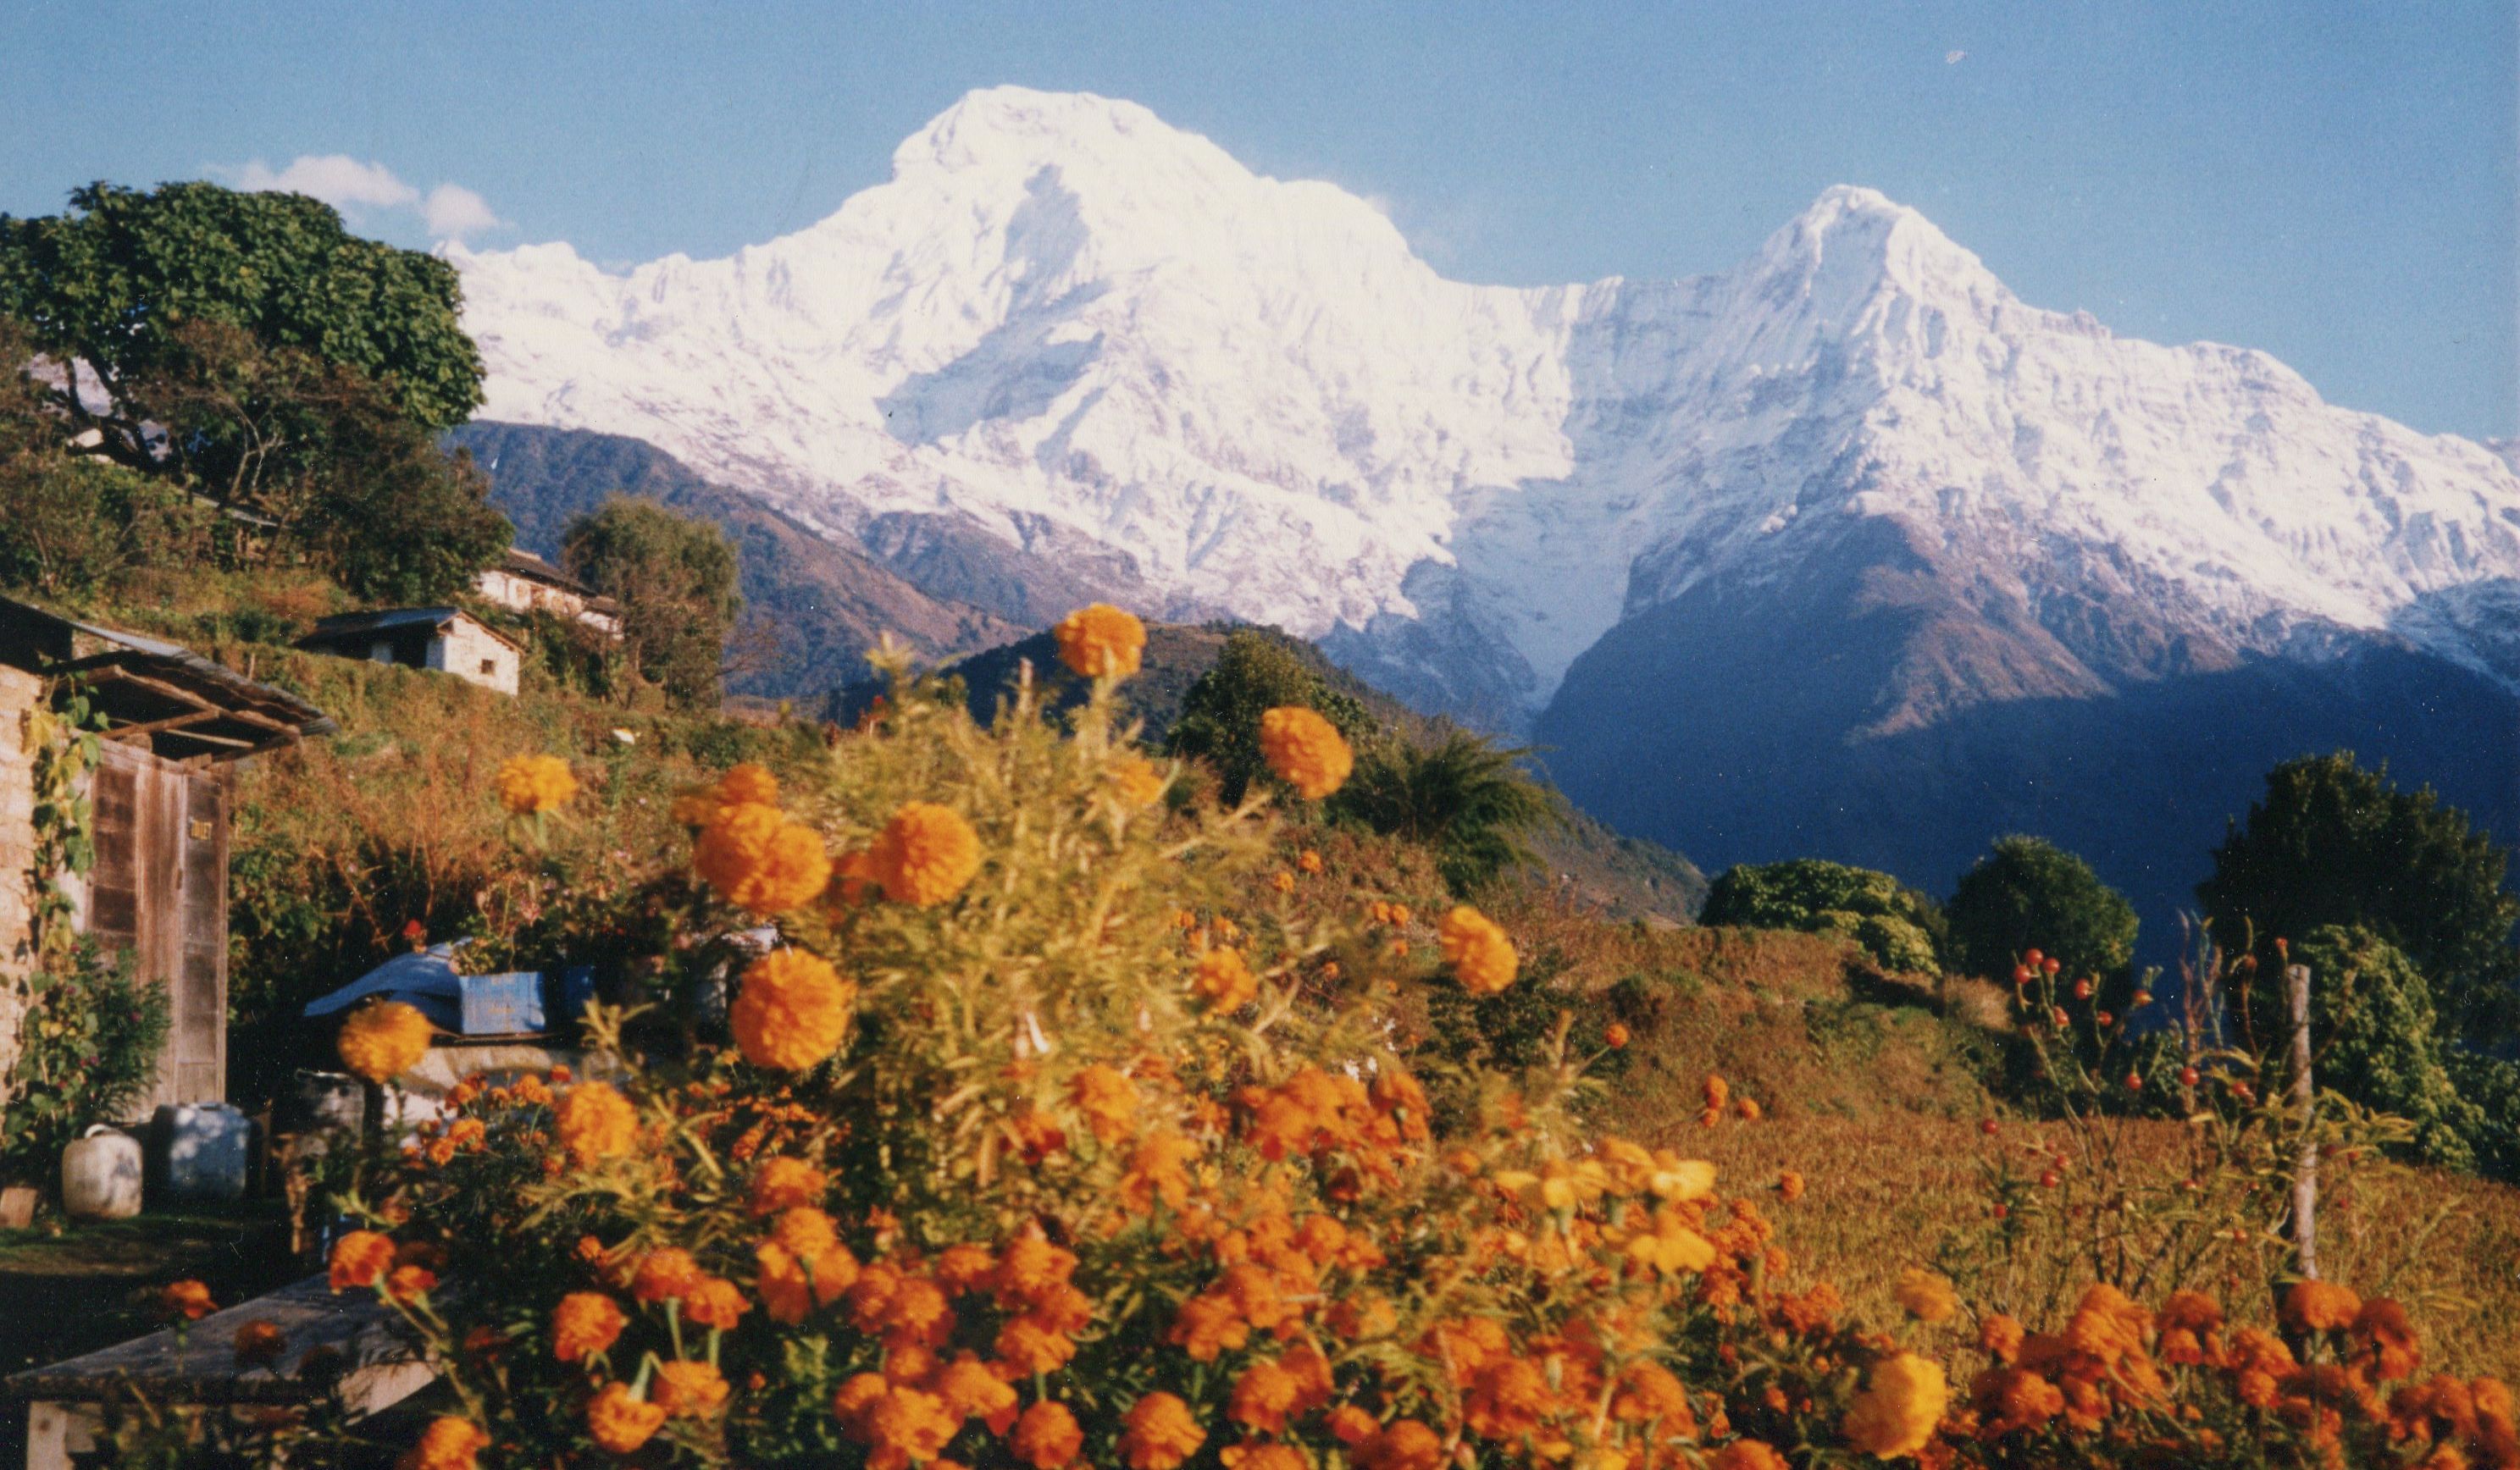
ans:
(2334, 843)
(114, 283)
(2028, 893)
(675, 579)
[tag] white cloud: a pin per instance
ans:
(357, 188)
(453, 211)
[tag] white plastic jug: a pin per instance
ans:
(101, 1175)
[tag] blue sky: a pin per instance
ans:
(2331, 182)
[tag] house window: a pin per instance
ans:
(489, 666)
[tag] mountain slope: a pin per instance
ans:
(824, 602)
(1792, 558)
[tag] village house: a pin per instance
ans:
(448, 640)
(175, 723)
(523, 582)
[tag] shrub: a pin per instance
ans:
(2030, 894)
(1220, 718)
(2378, 1042)
(1462, 798)
(87, 1050)
(675, 579)
(1893, 924)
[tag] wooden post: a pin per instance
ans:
(2305, 1183)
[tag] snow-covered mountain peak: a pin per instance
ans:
(1062, 311)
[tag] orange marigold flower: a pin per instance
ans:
(1100, 640)
(584, 1324)
(1615, 1034)
(1107, 1098)
(1481, 957)
(972, 1392)
(1746, 1109)
(784, 1184)
(689, 1390)
(2319, 1306)
(1998, 1337)
(760, 860)
(619, 1422)
(1649, 1393)
(1137, 781)
(2006, 1400)
(259, 1343)
(1718, 1093)
(2384, 1340)
(1927, 1295)
(1047, 1437)
(448, 1444)
(1309, 861)
(1206, 1326)
(908, 1424)
(1030, 1269)
(715, 1302)
(925, 854)
(596, 1123)
(1406, 1445)
(535, 783)
(962, 1269)
(1025, 1346)
(1224, 981)
(855, 1399)
(1158, 1433)
(1748, 1454)
(1900, 1404)
(361, 1258)
(1306, 751)
(1251, 1456)
(749, 781)
(382, 1040)
(1263, 1396)
(662, 1274)
(793, 1010)
(1158, 1168)
(187, 1299)
(1790, 1185)
(410, 1283)
(1508, 1399)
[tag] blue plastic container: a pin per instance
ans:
(198, 1153)
(523, 1002)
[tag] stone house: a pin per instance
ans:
(175, 723)
(448, 640)
(523, 582)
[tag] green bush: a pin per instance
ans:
(2029, 894)
(1893, 924)
(1462, 798)
(2379, 1042)
(1220, 718)
(87, 1050)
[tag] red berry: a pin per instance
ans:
(2142, 998)
(2049, 1181)
(2002, 1212)
(1987, 1127)
(2021, 974)
(2060, 1014)
(2082, 990)
(2031, 957)
(2104, 1018)
(2051, 964)
(2134, 1082)
(2188, 1077)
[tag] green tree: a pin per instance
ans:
(2332, 843)
(121, 282)
(1220, 719)
(2378, 1042)
(1461, 797)
(1894, 924)
(68, 524)
(398, 519)
(2028, 894)
(675, 579)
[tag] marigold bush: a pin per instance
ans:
(1073, 1187)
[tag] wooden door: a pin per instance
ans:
(159, 893)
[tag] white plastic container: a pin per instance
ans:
(101, 1175)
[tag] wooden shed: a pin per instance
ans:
(158, 890)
